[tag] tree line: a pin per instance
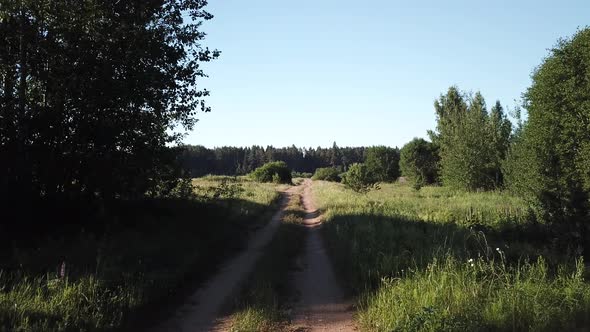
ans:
(199, 160)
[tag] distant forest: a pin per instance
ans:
(199, 160)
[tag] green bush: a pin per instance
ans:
(327, 174)
(276, 171)
(383, 163)
(419, 162)
(358, 178)
(305, 175)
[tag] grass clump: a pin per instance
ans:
(479, 295)
(275, 172)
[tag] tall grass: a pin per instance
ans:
(441, 260)
(115, 279)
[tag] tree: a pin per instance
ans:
(500, 131)
(383, 163)
(92, 93)
(472, 142)
(549, 163)
(358, 178)
(419, 162)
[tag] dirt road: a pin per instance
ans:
(201, 309)
(322, 305)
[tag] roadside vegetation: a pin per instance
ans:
(91, 280)
(327, 174)
(442, 259)
(274, 171)
(264, 303)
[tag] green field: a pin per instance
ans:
(438, 259)
(150, 251)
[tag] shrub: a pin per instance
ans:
(358, 178)
(276, 171)
(305, 175)
(326, 174)
(419, 162)
(383, 163)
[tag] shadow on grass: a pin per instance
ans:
(366, 247)
(148, 254)
(387, 263)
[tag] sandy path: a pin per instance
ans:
(322, 305)
(201, 309)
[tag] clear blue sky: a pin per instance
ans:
(311, 72)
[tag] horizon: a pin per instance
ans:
(365, 74)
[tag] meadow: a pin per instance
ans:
(444, 260)
(142, 260)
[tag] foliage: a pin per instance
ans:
(549, 163)
(419, 162)
(327, 174)
(472, 142)
(358, 178)
(383, 163)
(93, 91)
(276, 172)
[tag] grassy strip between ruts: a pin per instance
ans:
(263, 303)
(115, 278)
(438, 260)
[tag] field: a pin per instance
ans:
(429, 260)
(443, 260)
(114, 277)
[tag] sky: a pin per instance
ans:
(363, 73)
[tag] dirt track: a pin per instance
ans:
(322, 305)
(200, 311)
(321, 302)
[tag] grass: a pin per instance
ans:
(264, 301)
(442, 260)
(116, 277)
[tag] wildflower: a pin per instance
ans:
(498, 250)
(470, 260)
(62, 270)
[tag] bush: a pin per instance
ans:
(419, 162)
(383, 163)
(326, 174)
(358, 178)
(305, 175)
(276, 171)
